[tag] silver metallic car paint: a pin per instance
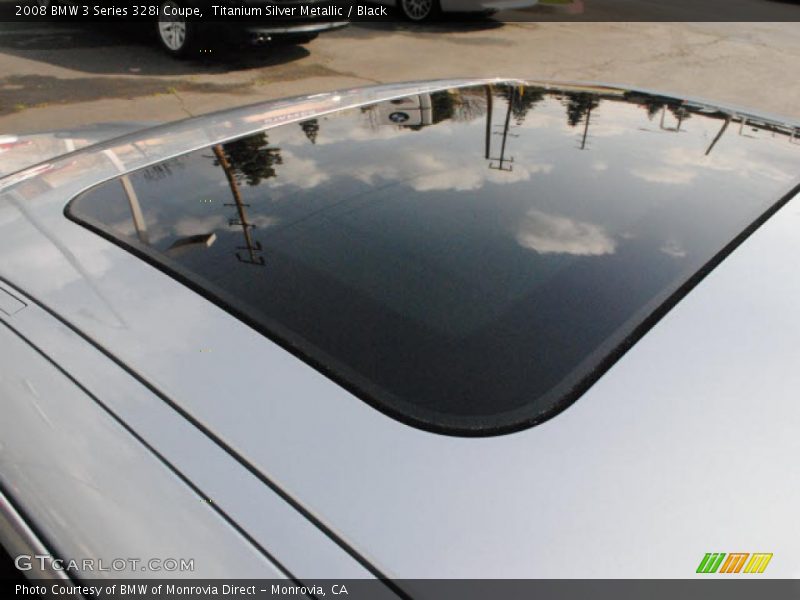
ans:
(10, 304)
(33, 148)
(303, 549)
(93, 489)
(19, 539)
(687, 445)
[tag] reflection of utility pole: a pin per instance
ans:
(502, 158)
(489, 108)
(253, 247)
(719, 135)
(585, 135)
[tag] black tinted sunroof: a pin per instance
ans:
(467, 261)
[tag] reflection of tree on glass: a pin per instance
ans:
(443, 105)
(660, 106)
(250, 158)
(653, 106)
(579, 108)
(311, 129)
(469, 105)
(679, 112)
(523, 99)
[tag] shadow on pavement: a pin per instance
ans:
(449, 23)
(130, 50)
(125, 61)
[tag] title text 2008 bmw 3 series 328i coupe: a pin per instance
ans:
(449, 329)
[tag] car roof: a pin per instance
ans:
(701, 401)
(28, 149)
(468, 260)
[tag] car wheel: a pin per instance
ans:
(175, 33)
(420, 10)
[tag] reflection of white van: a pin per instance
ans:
(409, 112)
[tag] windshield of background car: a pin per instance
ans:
(467, 261)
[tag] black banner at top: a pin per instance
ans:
(272, 11)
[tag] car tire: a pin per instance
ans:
(177, 35)
(420, 10)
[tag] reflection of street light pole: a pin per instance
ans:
(252, 247)
(136, 210)
(133, 200)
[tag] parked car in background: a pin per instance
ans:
(426, 10)
(184, 37)
(414, 111)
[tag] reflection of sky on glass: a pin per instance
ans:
(439, 280)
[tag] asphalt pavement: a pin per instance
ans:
(64, 75)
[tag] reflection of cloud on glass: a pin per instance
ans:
(607, 129)
(428, 172)
(600, 166)
(264, 221)
(303, 173)
(467, 177)
(609, 119)
(549, 234)
(196, 225)
(745, 163)
(668, 175)
(680, 167)
(674, 249)
(125, 227)
(459, 179)
(346, 131)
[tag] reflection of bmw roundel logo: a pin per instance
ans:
(398, 117)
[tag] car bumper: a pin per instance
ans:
(485, 5)
(258, 33)
(293, 29)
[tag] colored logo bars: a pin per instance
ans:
(714, 562)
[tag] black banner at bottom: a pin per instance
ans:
(472, 589)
